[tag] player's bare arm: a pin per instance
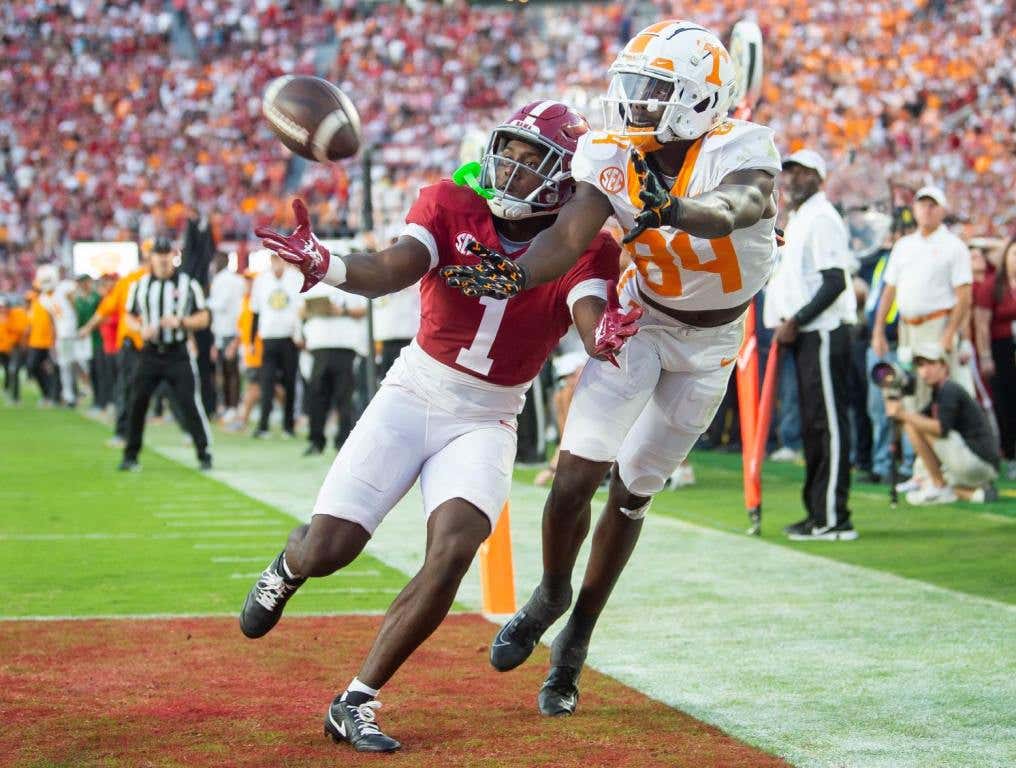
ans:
(602, 326)
(552, 253)
(741, 200)
(367, 274)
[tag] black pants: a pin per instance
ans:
(126, 371)
(1003, 389)
(331, 385)
(204, 340)
(278, 364)
(857, 397)
(13, 381)
(176, 369)
(41, 368)
(823, 362)
(229, 371)
(105, 379)
(390, 351)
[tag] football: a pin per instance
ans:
(312, 117)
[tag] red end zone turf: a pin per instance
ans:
(194, 692)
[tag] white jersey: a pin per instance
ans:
(676, 269)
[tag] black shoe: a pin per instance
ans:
(867, 476)
(314, 450)
(357, 724)
(516, 640)
(263, 607)
(559, 694)
(205, 462)
(261, 434)
(840, 532)
(799, 528)
(129, 465)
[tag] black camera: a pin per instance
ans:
(896, 381)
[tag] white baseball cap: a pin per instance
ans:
(929, 350)
(807, 158)
(933, 192)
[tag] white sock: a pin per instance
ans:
(359, 687)
(977, 497)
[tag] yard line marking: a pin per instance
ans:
(205, 515)
(162, 616)
(223, 523)
(117, 536)
(364, 573)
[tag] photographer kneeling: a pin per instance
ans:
(957, 452)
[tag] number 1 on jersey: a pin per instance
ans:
(476, 356)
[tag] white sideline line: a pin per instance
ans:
(105, 536)
(163, 616)
(205, 515)
(344, 574)
(233, 523)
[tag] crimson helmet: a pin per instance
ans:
(551, 125)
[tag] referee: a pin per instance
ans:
(164, 306)
(810, 303)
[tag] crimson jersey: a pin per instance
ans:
(501, 341)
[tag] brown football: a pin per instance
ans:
(312, 117)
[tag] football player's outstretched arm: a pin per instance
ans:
(368, 274)
(738, 202)
(555, 250)
(378, 274)
(552, 253)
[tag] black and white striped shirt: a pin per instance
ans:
(152, 299)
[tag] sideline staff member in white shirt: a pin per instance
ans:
(225, 298)
(929, 276)
(273, 302)
(396, 321)
(811, 306)
(335, 333)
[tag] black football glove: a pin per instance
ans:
(495, 275)
(657, 202)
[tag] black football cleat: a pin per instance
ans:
(129, 465)
(263, 607)
(559, 694)
(356, 724)
(205, 462)
(515, 641)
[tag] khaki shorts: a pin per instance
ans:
(960, 465)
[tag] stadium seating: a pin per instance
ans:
(121, 119)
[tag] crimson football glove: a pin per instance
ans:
(302, 249)
(615, 327)
(657, 202)
(495, 276)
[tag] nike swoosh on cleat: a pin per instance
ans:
(340, 727)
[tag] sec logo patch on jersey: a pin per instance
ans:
(462, 241)
(612, 179)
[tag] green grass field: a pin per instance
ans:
(85, 540)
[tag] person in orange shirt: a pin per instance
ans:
(6, 340)
(252, 347)
(42, 336)
(128, 343)
(16, 327)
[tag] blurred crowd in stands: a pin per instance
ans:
(118, 120)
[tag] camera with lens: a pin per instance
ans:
(895, 381)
